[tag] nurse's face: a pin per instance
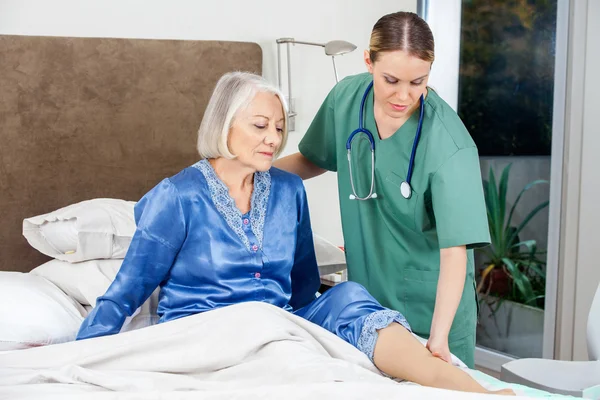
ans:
(399, 80)
(257, 131)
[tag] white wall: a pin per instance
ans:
(260, 21)
(579, 273)
(588, 268)
(443, 17)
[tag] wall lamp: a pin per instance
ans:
(332, 49)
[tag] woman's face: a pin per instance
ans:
(256, 132)
(399, 80)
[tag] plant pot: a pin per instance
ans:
(497, 282)
(509, 327)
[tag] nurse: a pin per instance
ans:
(412, 218)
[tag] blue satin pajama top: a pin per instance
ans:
(193, 242)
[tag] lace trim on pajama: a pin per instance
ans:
(226, 205)
(373, 322)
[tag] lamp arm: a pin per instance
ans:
(309, 43)
(294, 41)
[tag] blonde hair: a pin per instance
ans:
(402, 31)
(234, 92)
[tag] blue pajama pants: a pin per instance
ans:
(350, 312)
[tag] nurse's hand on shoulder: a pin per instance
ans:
(439, 348)
(299, 165)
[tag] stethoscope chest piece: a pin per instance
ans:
(405, 190)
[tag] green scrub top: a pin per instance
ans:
(393, 244)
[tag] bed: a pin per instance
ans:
(89, 122)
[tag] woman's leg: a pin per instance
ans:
(350, 312)
(398, 353)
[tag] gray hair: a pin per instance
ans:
(233, 92)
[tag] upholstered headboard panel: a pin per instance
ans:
(82, 118)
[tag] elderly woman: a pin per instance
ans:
(232, 229)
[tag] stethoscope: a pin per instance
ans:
(405, 188)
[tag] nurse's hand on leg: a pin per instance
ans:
(439, 348)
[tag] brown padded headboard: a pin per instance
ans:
(83, 118)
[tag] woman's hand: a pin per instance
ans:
(439, 348)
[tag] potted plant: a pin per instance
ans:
(513, 269)
(512, 278)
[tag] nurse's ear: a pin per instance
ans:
(368, 62)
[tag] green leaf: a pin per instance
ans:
(532, 214)
(520, 280)
(530, 244)
(536, 298)
(526, 188)
(534, 267)
(502, 192)
(496, 223)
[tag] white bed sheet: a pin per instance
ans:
(250, 351)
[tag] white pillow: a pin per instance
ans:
(330, 258)
(34, 312)
(84, 281)
(88, 280)
(89, 230)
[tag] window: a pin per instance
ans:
(506, 78)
